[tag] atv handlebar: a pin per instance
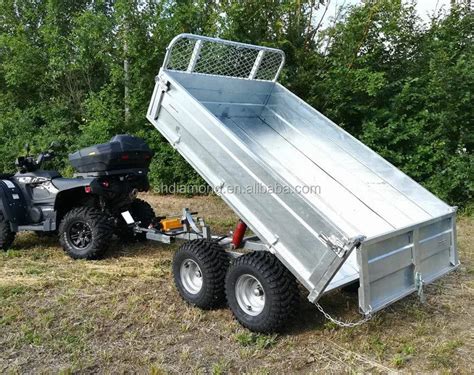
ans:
(44, 156)
(30, 164)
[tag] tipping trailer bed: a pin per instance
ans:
(310, 191)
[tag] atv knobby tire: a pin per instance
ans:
(208, 259)
(141, 211)
(261, 292)
(85, 233)
(6, 235)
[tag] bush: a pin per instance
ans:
(402, 87)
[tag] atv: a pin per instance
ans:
(84, 211)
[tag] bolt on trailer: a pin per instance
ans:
(219, 104)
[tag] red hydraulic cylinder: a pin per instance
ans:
(239, 234)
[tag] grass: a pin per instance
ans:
(258, 341)
(443, 355)
(123, 314)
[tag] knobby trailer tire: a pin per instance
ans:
(211, 261)
(278, 287)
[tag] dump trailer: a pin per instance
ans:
(329, 209)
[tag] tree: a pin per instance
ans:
(81, 71)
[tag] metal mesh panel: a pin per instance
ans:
(193, 54)
(181, 54)
(224, 60)
(270, 62)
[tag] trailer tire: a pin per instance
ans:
(94, 228)
(6, 235)
(261, 292)
(141, 211)
(199, 269)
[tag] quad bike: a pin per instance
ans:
(84, 210)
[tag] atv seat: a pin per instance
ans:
(48, 174)
(44, 174)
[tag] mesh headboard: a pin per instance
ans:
(212, 56)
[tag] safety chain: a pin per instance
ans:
(341, 323)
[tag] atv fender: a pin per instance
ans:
(12, 204)
(72, 192)
(64, 184)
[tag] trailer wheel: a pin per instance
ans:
(261, 292)
(6, 235)
(85, 233)
(199, 269)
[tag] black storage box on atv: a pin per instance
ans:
(122, 152)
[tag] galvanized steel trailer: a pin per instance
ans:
(310, 191)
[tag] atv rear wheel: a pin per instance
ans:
(141, 211)
(6, 235)
(85, 233)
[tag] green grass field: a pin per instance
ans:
(123, 314)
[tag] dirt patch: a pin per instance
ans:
(123, 314)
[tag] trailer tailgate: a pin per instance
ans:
(401, 262)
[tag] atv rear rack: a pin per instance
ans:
(117, 172)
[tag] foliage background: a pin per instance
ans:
(81, 71)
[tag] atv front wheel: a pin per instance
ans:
(141, 211)
(6, 235)
(85, 233)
